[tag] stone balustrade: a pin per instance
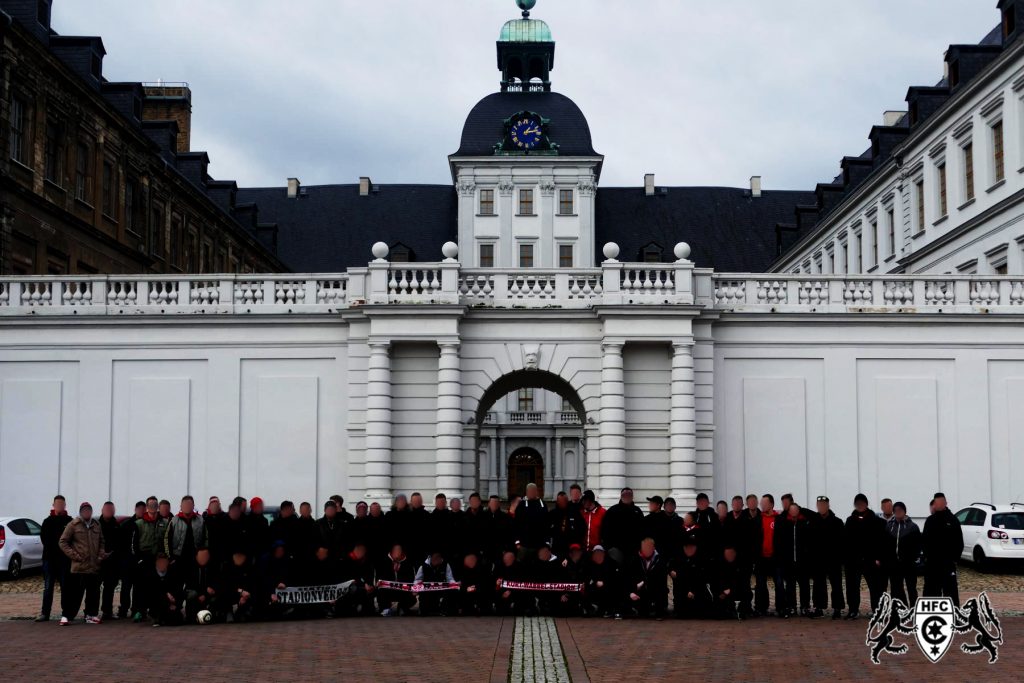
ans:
(446, 282)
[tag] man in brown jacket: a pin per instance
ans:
(82, 542)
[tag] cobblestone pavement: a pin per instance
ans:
(536, 652)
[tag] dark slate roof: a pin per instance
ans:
(726, 228)
(485, 125)
(331, 227)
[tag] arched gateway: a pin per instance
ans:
(529, 428)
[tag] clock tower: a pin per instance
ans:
(526, 171)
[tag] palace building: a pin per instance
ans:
(525, 323)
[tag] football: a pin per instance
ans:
(204, 617)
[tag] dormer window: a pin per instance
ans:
(913, 113)
(651, 253)
(43, 12)
(96, 66)
(401, 253)
(1009, 20)
(954, 73)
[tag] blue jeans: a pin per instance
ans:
(53, 573)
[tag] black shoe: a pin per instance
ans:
(42, 617)
(815, 614)
(853, 615)
(837, 614)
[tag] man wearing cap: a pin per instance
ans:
(706, 517)
(603, 585)
(215, 521)
(82, 542)
(593, 517)
(865, 544)
(622, 528)
(943, 541)
(258, 529)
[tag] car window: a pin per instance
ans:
(962, 515)
(980, 517)
(17, 526)
(33, 528)
(1008, 520)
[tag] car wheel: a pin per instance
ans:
(980, 561)
(14, 568)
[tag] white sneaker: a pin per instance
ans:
(64, 621)
(386, 612)
(93, 620)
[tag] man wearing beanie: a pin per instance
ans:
(55, 563)
(865, 539)
(82, 542)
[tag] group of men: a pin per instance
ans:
(575, 558)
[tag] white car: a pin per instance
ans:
(992, 532)
(20, 545)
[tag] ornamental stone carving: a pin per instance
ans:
(466, 187)
(587, 187)
(547, 187)
(505, 187)
(531, 356)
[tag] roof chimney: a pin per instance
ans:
(891, 118)
(649, 184)
(170, 101)
(365, 185)
(293, 188)
(755, 186)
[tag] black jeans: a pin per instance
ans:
(75, 587)
(109, 574)
(766, 568)
(903, 582)
(795, 575)
(873, 576)
(940, 581)
(826, 576)
(54, 574)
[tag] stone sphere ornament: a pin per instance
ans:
(379, 250)
(682, 251)
(526, 5)
(450, 251)
(611, 251)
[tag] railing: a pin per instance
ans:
(614, 284)
(863, 293)
(133, 294)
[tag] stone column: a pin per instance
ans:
(550, 464)
(502, 465)
(495, 467)
(683, 428)
(378, 424)
(448, 440)
(613, 423)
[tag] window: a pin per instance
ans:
(859, 239)
(943, 198)
(874, 242)
(83, 175)
(998, 160)
(565, 203)
(131, 204)
(109, 188)
(525, 400)
(651, 253)
(890, 222)
(526, 202)
(54, 153)
(486, 256)
(175, 251)
(1000, 269)
(919, 199)
(1009, 20)
(968, 158)
(486, 202)
(96, 66)
(43, 12)
(18, 138)
(565, 256)
(399, 254)
(526, 256)
(954, 74)
(831, 261)
(156, 230)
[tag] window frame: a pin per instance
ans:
(526, 201)
(109, 187)
(997, 138)
(968, 185)
(527, 257)
(525, 400)
(920, 213)
(481, 201)
(83, 171)
(19, 135)
(53, 152)
(563, 202)
(482, 260)
(562, 257)
(890, 219)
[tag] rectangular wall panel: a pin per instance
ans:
(280, 422)
(158, 423)
(30, 444)
(775, 434)
(647, 371)
(414, 416)
(1006, 406)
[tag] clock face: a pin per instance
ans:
(525, 133)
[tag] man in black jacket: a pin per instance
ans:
(661, 528)
(827, 564)
(566, 525)
(793, 553)
(647, 581)
(865, 544)
(692, 593)
(166, 593)
(332, 530)
(622, 528)
(215, 522)
(56, 564)
(531, 524)
(602, 593)
(943, 543)
(496, 530)
(201, 587)
(127, 563)
(902, 553)
(706, 517)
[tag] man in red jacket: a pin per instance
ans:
(765, 566)
(593, 515)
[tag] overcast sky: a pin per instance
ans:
(700, 92)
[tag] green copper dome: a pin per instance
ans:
(525, 31)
